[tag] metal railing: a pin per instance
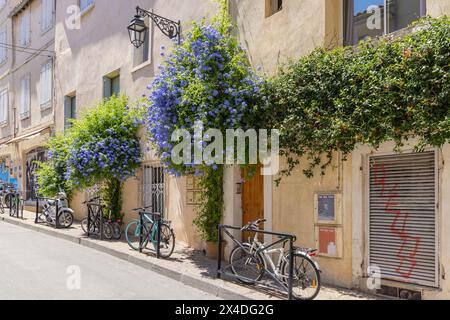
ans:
(16, 205)
(38, 214)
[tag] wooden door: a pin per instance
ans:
(252, 200)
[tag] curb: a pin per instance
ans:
(217, 289)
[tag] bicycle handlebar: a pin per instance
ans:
(92, 200)
(254, 224)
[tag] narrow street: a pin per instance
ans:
(34, 266)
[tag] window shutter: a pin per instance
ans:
(3, 107)
(43, 84)
(67, 108)
(47, 14)
(106, 87)
(25, 28)
(3, 49)
(46, 83)
(402, 222)
(23, 108)
(115, 85)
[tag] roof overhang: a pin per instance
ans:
(28, 136)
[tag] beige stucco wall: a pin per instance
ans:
(437, 8)
(22, 63)
(5, 68)
(289, 34)
(102, 46)
(294, 212)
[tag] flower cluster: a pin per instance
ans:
(114, 155)
(206, 79)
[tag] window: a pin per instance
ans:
(273, 6)
(25, 31)
(3, 107)
(111, 86)
(70, 110)
(47, 15)
(25, 98)
(86, 4)
(46, 85)
(3, 49)
(372, 18)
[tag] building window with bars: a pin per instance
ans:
(154, 188)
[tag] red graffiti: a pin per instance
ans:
(407, 256)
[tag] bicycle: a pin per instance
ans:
(2, 196)
(149, 233)
(251, 261)
(116, 227)
(7, 198)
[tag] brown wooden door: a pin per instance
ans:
(252, 200)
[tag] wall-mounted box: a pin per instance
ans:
(329, 241)
(328, 208)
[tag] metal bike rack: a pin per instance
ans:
(18, 210)
(283, 238)
(157, 218)
(57, 215)
(92, 216)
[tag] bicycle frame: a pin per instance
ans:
(145, 216)
(258, 247)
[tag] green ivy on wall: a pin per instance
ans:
(382, 90)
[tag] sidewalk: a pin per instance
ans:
(186, 265)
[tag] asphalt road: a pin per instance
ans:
(34, 266)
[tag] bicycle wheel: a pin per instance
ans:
(117, 231)
(108, 231)
(84, 225)
(167, 241)
(94, 226)
(9, 200)
(248, 267)
(133, 235)
(306, 278)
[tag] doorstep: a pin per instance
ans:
(187, 266)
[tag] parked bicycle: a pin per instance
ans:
(7, 197)
(64, 214)
(251, 261)
(96, 217)
(149, 232)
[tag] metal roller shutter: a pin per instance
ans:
(402, 224)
